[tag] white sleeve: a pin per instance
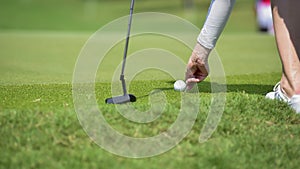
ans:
(216, 19)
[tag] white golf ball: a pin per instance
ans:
(179, 85)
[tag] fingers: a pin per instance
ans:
(203, 70)
(195, 73)
(197, 67)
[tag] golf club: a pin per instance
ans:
(125, 97)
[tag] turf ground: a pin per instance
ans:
(39, 44)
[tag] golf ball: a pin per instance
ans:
(179, 85)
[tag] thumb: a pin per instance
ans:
(191, 82)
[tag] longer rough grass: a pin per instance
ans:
(40, 129)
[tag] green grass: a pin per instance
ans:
(41, 129)
(90, 15)
(50, 57)
(39, 45)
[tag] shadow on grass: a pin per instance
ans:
(205, 87)
(247, 88)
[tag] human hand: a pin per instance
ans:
(197, 67)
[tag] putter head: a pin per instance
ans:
(121, 99)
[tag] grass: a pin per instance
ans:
(21, 60)
(41, 129)
(38, 123)
(92, 14)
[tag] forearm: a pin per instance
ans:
(217, 17)
(197, 67)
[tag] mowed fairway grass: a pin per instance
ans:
(38, 123)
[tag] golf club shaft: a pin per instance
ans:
(126, 49)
